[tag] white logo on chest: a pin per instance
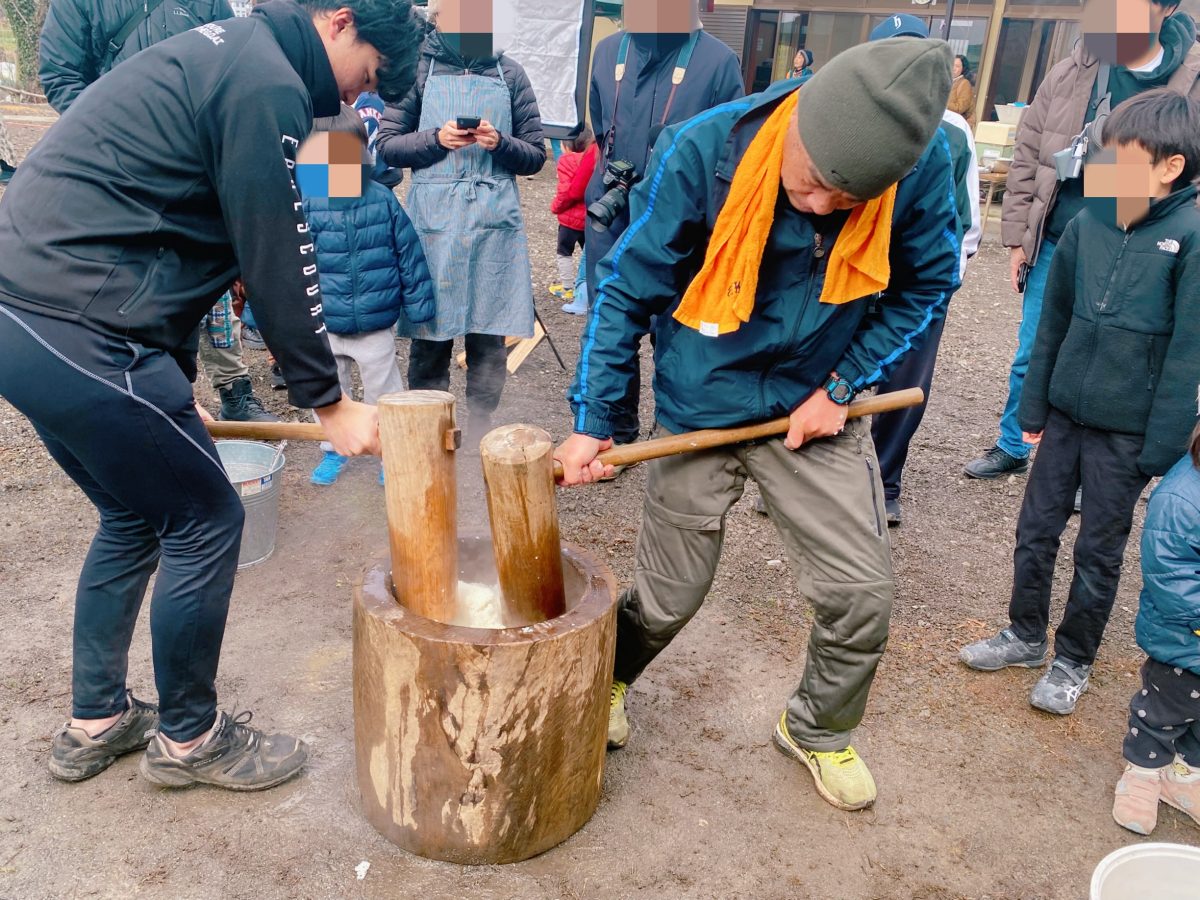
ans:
(1169, 246)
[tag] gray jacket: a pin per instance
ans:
(1057, 114)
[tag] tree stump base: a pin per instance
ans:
(479, 746)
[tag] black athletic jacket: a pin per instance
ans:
(170, 176)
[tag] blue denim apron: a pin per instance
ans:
(467, 212)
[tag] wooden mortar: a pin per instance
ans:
(480, 746)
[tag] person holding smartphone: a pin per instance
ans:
(467, 129)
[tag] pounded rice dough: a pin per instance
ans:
(479, 606)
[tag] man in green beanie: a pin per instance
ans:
(789, 249)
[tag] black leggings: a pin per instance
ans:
(120, 420)
(429, 370)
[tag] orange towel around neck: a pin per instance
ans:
(721, 296)
(860, 261)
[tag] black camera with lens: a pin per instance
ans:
(619, 177)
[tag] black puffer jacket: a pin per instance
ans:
(74, 46)
(401, 144)
(1118, 341)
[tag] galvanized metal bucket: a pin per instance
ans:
(253, 469)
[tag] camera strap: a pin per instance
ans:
(681, 66)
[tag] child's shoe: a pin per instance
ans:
(1181, 789)
(1136, 803)
(329, 468)
(558, 290)
(576, 307)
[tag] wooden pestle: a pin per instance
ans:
(518, 476)
(416, 430)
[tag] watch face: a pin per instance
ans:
(840, 391)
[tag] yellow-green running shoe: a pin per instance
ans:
(618, 724)
(841, 777)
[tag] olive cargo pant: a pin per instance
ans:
(827, 503)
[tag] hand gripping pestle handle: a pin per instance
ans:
(690, 441)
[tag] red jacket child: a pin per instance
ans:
(574, 172)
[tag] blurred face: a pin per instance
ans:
(1122, 32)
(355, 63)
(807, 191)
(800, 60)
(1129, 175)
(467, 27)
(465, 16)
(660, 16)
(958, 67)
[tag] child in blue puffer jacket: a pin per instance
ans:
(1162, 742)
(372, 271)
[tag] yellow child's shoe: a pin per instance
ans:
(618, 724)
(842, 778)
(558, 290)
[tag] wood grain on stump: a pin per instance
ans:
(482, 746)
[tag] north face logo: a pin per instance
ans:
(1169, 246)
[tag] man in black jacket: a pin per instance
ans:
(661, 37)
(168, 179)
(82, 41)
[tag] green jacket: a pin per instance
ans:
(1118, 342)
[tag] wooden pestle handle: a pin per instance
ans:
(690, 441)
(266, 431)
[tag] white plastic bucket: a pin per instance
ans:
(254, 472)
(1148, 872)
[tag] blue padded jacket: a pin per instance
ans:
(1168, 619)
(371, 264)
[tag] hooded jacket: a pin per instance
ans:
(401, 144)
(170, 177)
(1059, 111)
(1168, 616)
(792, 342)
(373, 269)
(73, 51)
(1118, 341)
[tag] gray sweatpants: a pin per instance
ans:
(826, 500)
(375, 354)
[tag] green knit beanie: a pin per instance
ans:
(868, 115)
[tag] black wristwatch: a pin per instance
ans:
(840, 391)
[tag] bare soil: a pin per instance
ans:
(980, 795)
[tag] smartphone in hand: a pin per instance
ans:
(466, 123)
(1022, 277)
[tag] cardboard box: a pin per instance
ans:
(995, 133)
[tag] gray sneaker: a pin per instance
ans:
(1002, 651)
(74, 756)
(1058, 690)
(235, 756)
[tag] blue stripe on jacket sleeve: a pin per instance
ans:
(927, 320)
(630, 233)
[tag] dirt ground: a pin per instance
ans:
(980, 796)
